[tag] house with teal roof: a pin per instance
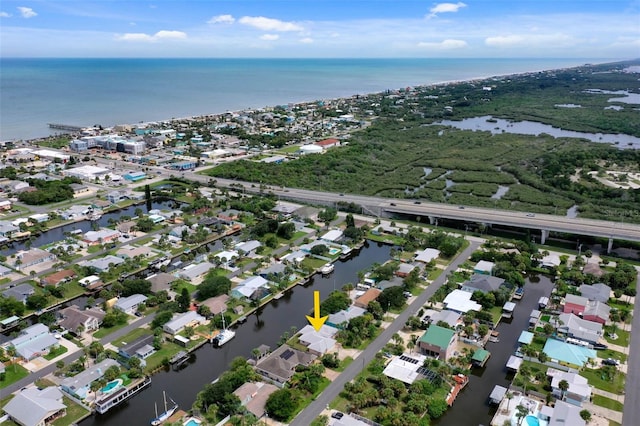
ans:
(567, 353)
(437, 342)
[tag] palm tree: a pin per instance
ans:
(509, 395)
(564, 386)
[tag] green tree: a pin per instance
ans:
(213, 285)
(585, 415)
(184, 300)
(564, 387)
(282, 404)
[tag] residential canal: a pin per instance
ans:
(58, 233)
(471, 408)
(208, 362)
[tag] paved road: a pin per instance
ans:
(75, 355)
(631, 411)
(307, 415)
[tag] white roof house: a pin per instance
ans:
(460, 301)
(195, 270)
(130, 304)
(427, 255)
(227, 255)
(180, 321)
(484, 267)
(249, 286)
(405, 367)
(332, 236)
(578, 391)
(33, 341)
(248, 246)
(550, 260)
(318, 342)
(34, 407)
(78, 385)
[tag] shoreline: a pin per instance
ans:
(485, 77)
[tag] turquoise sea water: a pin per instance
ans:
(34, 92)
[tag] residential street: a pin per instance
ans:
(631, 413)
(307, 415)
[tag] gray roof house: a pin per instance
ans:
(248, 247)
(34, 341)
(195, 270)
(102, 264)
(19, 292)
(79, 385)
(578, 328)
(141, 347)
(180, 321)
(75, 319)
(281, 364)
(599, 292)
(130, 304)
(483, 283)
(36, 407)
(161, 281)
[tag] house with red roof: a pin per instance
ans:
(328, 143)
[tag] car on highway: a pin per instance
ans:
(417, 202)
(341, 194)
(461, 207)
(531, 215)
(392, 204)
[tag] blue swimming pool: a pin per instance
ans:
(532, 421)
(111, 386)
(192, 422)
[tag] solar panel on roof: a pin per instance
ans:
(287, 354)
(406, 358)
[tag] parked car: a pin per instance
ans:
(610, 361)
(337, 415)
(599, 346)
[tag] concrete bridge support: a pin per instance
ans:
(544, 235)
(433, 220)
(610, 245)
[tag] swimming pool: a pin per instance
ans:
(532, 420)
(111, 386)
(333, 251)
(192, 422)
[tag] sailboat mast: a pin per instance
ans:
(164, 395)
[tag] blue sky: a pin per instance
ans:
(320, 28)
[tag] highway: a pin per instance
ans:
(306, 416)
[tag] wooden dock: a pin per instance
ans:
(66, 127)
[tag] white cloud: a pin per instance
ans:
(269, 24)
(558, 40)
(306, 40)
(444, 44)
(4, 15)
(160, 35)
(222, 19)
(269, 37)
(27, 12)
(446, 8)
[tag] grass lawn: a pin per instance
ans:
(496, 313)
(603, 401)
(312, 262)
(622, 340)
(289, 149)
(545, 318)
(105, 331)
(185, 284)
(138, 332)
(74, 413)
(385, 238)
(597, 379)
(13, 373)
(344, 364)
(608, 353)
(73, 289)
(55, 352)
(168, 350)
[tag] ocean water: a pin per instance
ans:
(84, 92)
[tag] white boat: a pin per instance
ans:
(327, 269)
(168, 412)
(225, 334)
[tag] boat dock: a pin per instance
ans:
(121, 395)
(66, 127)
(180, 358)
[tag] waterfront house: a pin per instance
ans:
(318, 342)
(568, 354)
(578, 392)
(218, 304)
(7, 229)
(367, 297)
(102, 264)
(33, 342)
(332, 236)
(280, 365)
(577, 328)
(404, 269)
(20, 292)
(195, 271)
(276, 270)
(101, 236)
(437, 342)
(142, 347)
(483, 283)
(79, 386)
(597, 292)
(182, 320)
(561, 414)
(253, 397)
(76, 320)
(36, 407)
(161, 281)
(59, 277)
(248, 248)
(129, 305)
(254, 288)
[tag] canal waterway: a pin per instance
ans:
(471, 408)
(208, 362)
(58, 234)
